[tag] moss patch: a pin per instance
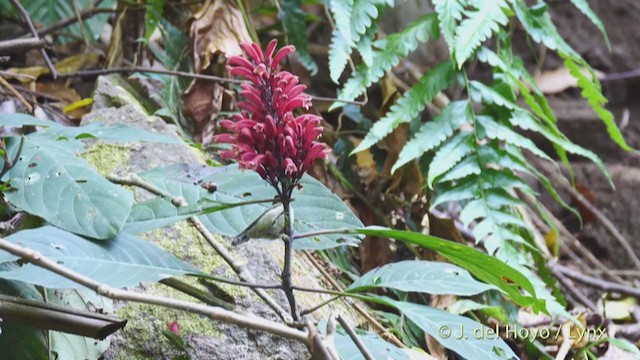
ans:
(106, 157)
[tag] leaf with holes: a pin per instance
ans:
(50, 181)
(430, 277)
(122, 261)
(316, 208)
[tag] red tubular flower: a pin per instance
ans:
(266, 136)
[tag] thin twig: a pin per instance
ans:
(598, 283)
(134, 69)
(15, 92)
(381, 329)
(215, 313)
(10, 74)
(579, 295)
(608, 225)
(34, 32)
(352, 334)
(20, 45)
(319, 306)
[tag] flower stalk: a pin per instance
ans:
(268, 138)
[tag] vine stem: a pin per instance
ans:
(215, 313)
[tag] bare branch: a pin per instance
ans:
(34, 32)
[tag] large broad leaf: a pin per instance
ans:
(315, 207)
(114, 133)
(122, 261)
(379, 348)
(484, 267)
(421, 276)
(469, 338)
(75, 347)
(50, 181)
(18, 120)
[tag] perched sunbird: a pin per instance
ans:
(270, 225)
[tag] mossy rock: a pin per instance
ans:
(142, 337)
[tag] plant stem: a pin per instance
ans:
(287, 286)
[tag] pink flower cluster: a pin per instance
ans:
(266, 136)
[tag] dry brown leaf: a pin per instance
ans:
(218, 27)
(559, 80)
(70, 64)
(203, 102)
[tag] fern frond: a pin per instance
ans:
(537, 22)
(411, 104)
(478, 26)
(390, 51)
(354, 19)
(497, 131)
(584, 7)
(449, 14)
(449, 154)
(433, 133)
(339, 54)
(592, 92)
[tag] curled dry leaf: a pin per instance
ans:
(203, 102)
(218, 27)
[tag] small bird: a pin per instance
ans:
(270, 225)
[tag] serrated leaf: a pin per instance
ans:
(433, 133)
(293, 20)
(411, 104)
(85, 202)
(483, 93)
(464, 341)
(525, 121)
(390, 50)
(120, 262)
(316, 208)
(584, 7)
(449, 14)
(494, 130)
(421, 276)
(450, 154)
(339, 53)
(478, 26)
(482, 266)
(537, 22)
(592, 92)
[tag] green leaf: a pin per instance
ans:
(537, 22)
(479, 24)
(339, 54)
(390, 50)
(450, 154)
(75, 347)
(421, 276)
(433, 133)
(592, 92)
(115, 133)
(85, 202)
(411, 104)
(315, 207)
(293, 17)
(152, 16)
(449, 14)
(625, 345)
(482, 266)
(468, 338)
(122, 261)
(379, 348)
(495, 130)
(525, 121)
(584, 7)
(18, 120)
